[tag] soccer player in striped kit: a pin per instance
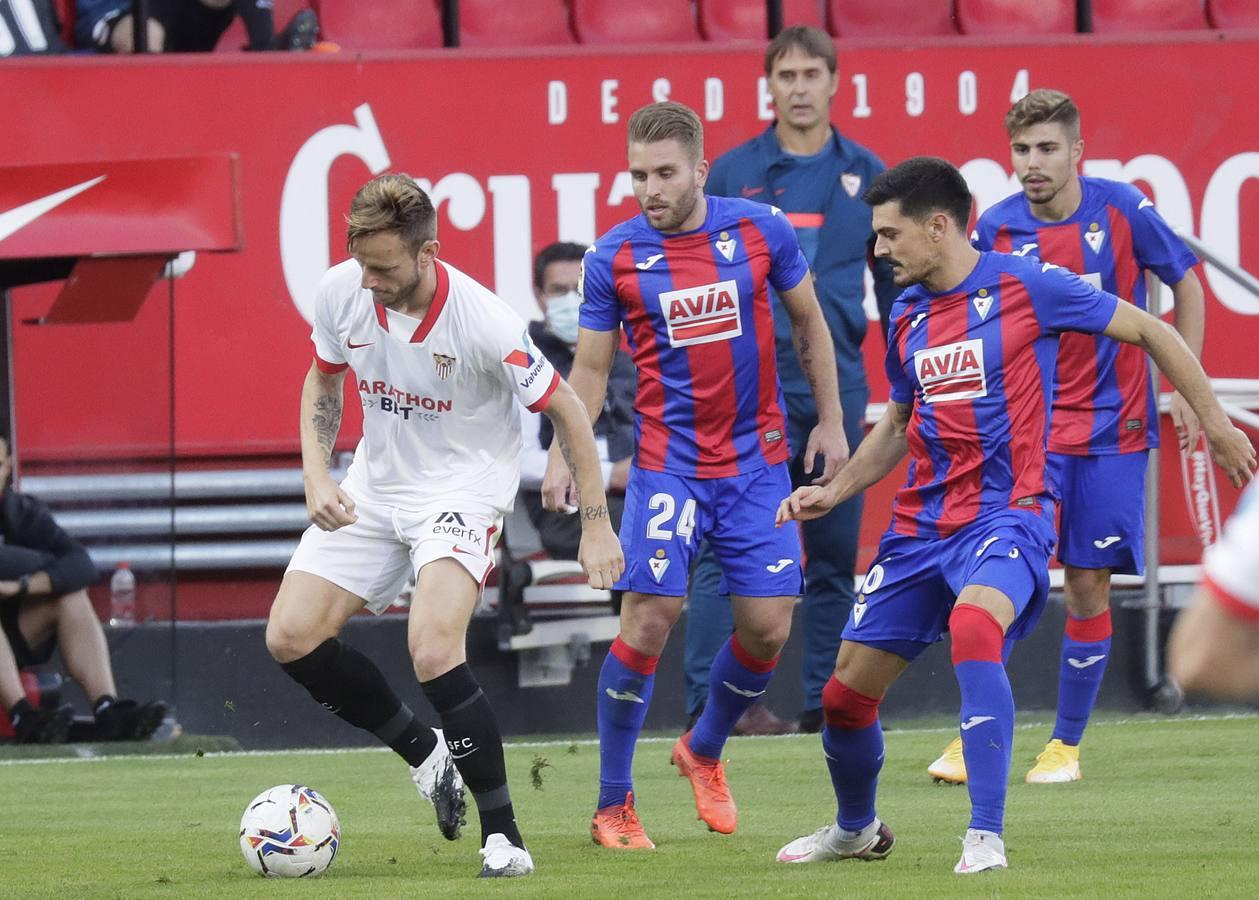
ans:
(970, 360)
(688, 279)
(1105, 414)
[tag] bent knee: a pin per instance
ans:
(846, 708)
(287, 642)
(434, 658)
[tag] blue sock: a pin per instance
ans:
(852, 741)
(1085, 652)
(625, 683)
(987, 714)
(736, 681)
(854, 757)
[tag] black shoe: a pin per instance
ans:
(811, 721)
(300, 33)
(126, 720)
(43, 726)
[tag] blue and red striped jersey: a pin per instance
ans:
(697, 316)
(977, 363)
(1104, 399)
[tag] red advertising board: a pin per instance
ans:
(520, 150)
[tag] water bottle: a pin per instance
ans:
(122, 597)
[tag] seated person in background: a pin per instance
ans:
(188, 26)
(44, 605)
(555, 272)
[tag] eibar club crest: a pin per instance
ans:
(851, 182)
(983, 303)
(444, 365)
(725, 245)
(1094, 236)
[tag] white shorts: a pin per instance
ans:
(375, 557)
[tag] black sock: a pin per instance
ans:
(349, 684)
(103, 702)
(259, 22)
(477, 747)
(21, 708)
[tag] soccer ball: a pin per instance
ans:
(289, 831)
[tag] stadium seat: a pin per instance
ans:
(890, 18)
(381, 24)
(617, 22)
(1233, 13)
(513, 23)
(740, 20)
(1120, 16)
(235, 38)
(1002, 18)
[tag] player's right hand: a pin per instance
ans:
(1232, 452)
(808, 502)
(329, 507)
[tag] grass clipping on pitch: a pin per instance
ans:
(1166, 808)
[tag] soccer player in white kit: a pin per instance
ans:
(1214, 646)
(439, 363)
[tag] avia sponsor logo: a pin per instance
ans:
(952, 372)
(387, 398)
(702, 314)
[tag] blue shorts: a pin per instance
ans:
(1101, 519)
(667, 516)
(904, 604)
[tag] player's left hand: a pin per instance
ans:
(600, 554)
(805, 503)
(1186, 422)
(829, 440)
(1232, 451)
(557, 486)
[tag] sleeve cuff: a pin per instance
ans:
(541, 403)
(330, 368)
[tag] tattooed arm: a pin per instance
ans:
(816, 351)
(600, 552)
(589, 381)
(328, 505)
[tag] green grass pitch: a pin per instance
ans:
(1167, 808)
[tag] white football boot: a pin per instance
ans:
(440, 783)
(825, 845)
(981, 851)
(503, 859)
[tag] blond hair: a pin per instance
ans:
(392, 203)
(668, 121)
(1044, 106)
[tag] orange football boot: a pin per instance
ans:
(619, 828)
(713, 802)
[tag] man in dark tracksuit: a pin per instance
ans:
(805, 167)
(44, 605)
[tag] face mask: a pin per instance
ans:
(562, 316)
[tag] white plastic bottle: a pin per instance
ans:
(122, 597)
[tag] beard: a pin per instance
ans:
(677, 213)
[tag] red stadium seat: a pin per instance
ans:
(1002, 18)
(235, 38)
(1119, 16)
(381, 24)
(1233, 13)
(738, 20)
(617, 22)
(890, 18)
(513, 23)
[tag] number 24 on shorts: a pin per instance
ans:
(658, 525)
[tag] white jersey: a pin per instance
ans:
(440, 427)
(1232, 565)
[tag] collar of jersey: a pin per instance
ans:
(431, 315)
